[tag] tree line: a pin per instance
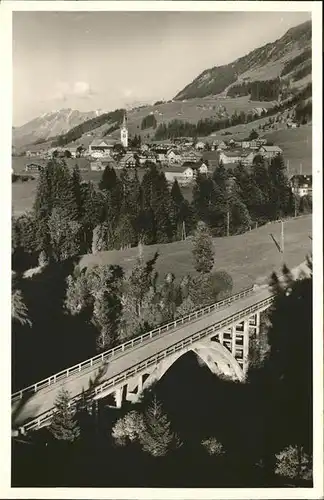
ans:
(204, 127)
(149, 121)
(71, 217)
(265, 90)
(296, 61)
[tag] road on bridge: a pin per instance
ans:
(43, 400)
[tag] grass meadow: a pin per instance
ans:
(249, 257)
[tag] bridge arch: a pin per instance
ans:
(212, 354)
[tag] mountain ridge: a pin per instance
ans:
(218, 79)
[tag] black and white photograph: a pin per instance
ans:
(163, 330)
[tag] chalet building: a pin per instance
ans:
(150, 157)
(230, 157)
(301, 185)
(200, 146)
(270, 152)
(143, 158)
(173, 156)
(247, 158)
(160, 153)
(73, 152)
(191, 170)
(189, 156)
(101, 148)
(128, 161)
(218, 146)
(261, 141)
(33, 167)
(33, 154)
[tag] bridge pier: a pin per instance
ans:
(246, 336)
(134, 389)
(119, 397)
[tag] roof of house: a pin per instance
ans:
(127, 157)
(98, 142)
(103, 142)
(191, 164)
(300, 179)
(272, 149)
(233, 154)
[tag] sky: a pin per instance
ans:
(106, 60)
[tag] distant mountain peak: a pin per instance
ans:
(50, 124)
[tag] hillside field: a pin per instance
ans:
(296, 144)
(249, 258)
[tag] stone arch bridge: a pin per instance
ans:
(219, 334)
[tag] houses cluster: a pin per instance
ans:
(182, 158)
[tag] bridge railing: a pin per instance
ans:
(104, 356)
(152, 360)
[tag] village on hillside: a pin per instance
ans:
(181, 158)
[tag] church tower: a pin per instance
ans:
(124, 133)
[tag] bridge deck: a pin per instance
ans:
(43, 400)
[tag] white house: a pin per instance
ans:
(247, 159)
(173, 156)
(189, 173)
(270, 151)
(230, 157)
(128, 160)
(302, 185)
(99, 147)
(200, 146)
(203, 169)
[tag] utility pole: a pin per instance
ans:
(301, 169)
(228, 220)
(282, 238)
(183, 230)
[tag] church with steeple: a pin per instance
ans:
(124, 132)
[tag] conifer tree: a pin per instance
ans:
(43, 205)
(156, 438)
(19, 311)
(63, 425)
(65, 235)
(280, 191)
(203, 198)
(137, 287)
(240, 217)
(203, 251)
(76, 189)
(125, 236)
(113, 190)
(132, 199)
(179, 210)
(220, 176)
(155, 218)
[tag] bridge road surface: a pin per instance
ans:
(44, 399)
